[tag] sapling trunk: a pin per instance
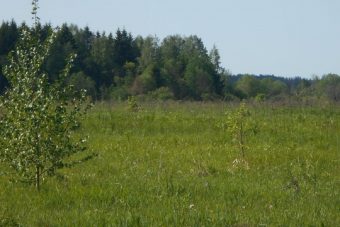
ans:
(241, 139)
(37, 177)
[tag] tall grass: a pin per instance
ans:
(174, 165)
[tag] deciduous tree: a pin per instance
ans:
(38, 118)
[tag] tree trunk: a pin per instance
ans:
(241, 140)
(37, 178)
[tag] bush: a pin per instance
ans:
(162, 93)
(119, 93)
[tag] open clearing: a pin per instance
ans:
(174, 164)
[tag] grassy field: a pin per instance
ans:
(176, 165)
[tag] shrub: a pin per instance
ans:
(162, 93)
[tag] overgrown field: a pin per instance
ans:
(176, 165)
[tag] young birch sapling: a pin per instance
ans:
(38, 117)
(239, 126)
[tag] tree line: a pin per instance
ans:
(116, 66)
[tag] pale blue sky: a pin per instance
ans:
(282, 37)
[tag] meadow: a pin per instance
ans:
(175, 164)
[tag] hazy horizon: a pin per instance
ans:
(284, 38)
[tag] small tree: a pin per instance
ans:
(38, 117)
(238, 126)
(132, 104)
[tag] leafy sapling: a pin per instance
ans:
(38, 117)
(239, 126)
(132, 104)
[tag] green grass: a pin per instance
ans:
(173, 165)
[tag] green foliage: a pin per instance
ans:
(81, 82)
(260, 97)
(198, 78)
(132, 104)
(119, 93)
(239, 125)
(330, 86)
(63, 46)
(124, 50)
(249, 85)
(38, 118)
(162, 94)
(123, 65)
(8, 37)
(145, 82)
(149, 52)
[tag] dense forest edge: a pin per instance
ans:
(116, 66)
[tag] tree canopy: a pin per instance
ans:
(118, 65)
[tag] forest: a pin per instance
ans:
(116, 66)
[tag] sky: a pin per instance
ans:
(282, 37)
